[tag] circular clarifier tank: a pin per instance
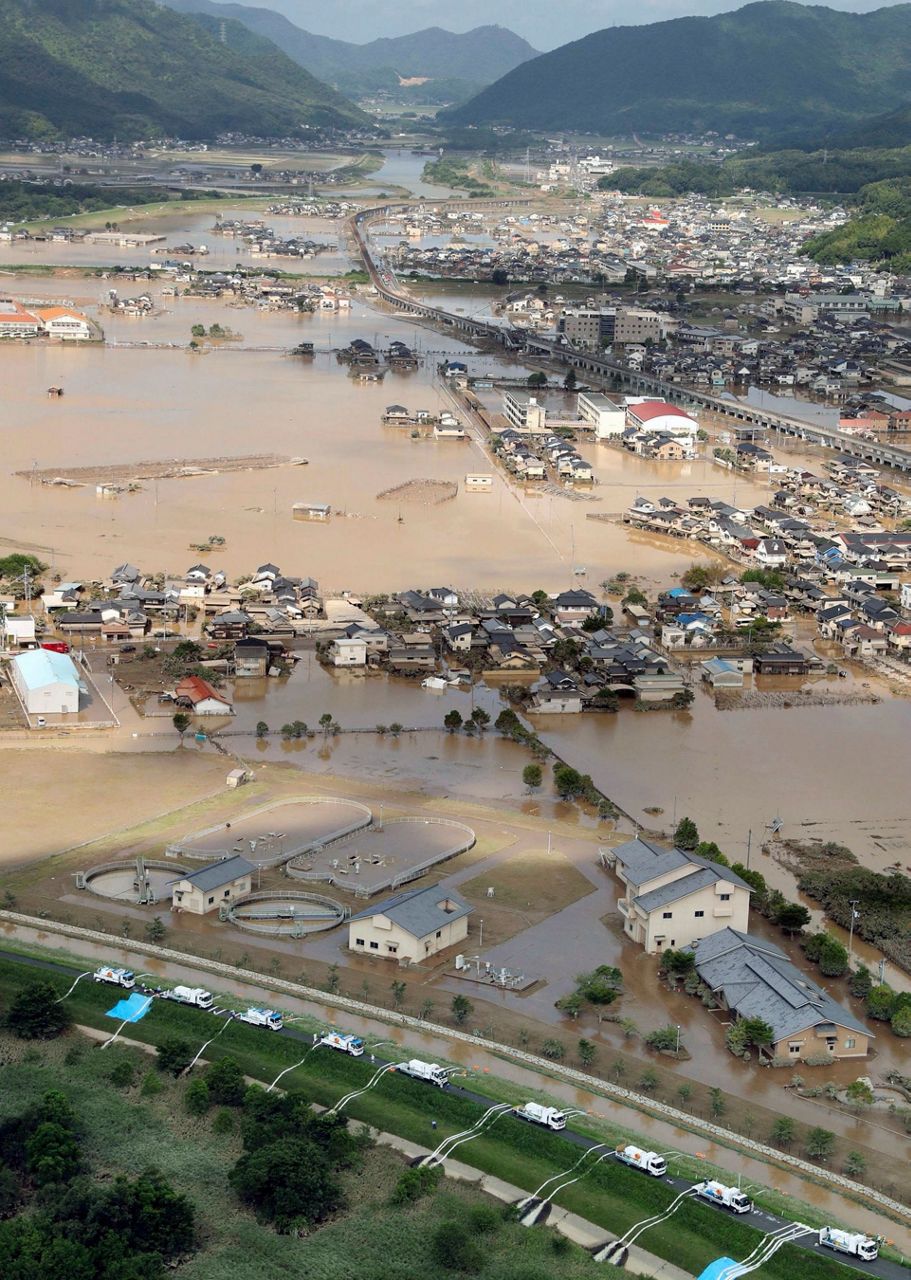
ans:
(140, 883)
(288, 914)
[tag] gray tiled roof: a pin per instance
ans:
(643, 861)
(419, 910)
(699, 878)
(218, 873)
(757, 980)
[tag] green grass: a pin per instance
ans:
(124, 1131)
(613, 1196)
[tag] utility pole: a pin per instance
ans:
(855, 915)
(749, 846)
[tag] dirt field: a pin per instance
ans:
(59, 798)
(528, 887)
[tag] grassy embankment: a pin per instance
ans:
(612, 1196)
(130, 1127)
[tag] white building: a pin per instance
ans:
(17, 632)
(348, 651)
(606, 418)
(660, 417)
(47, 682)
(523, 412)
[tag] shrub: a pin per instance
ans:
(663, 1038)
(452, 1247)
(174, 1055)
(686, 835)
(881, 1002)
(36, 1015)
(122, 1074)
(196, 1099)
(225, 1083)
(223, 1122)
(414, 1183)
(553, 1049)
(289, 1182)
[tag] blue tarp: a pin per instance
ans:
(717, 1268)
(131, 1009)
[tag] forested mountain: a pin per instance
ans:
(772, 68)
(473, 58)
(133, 69)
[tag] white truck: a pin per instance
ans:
(346, 1044)
(725, 1197)
(270, 1018)
(853, 1243)
(428, 1071)
(647, 1161)
(550, 1117)
(118, 977)
(196, 996)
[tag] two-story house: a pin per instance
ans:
(673, 898)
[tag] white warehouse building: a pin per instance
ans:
(606, 418)
(47, 682)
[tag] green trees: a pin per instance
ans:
(462, 1009)
(859, 1093)
(881, 1002)
(709, 850)
(174, 1055)
(700, 577)
(820, 1144)
(791, 917)
(686, 834)
(289, 1182)
(568, 781)
(826, 951)
(197, 1099)
(289, 1170)
(901, 1021)
(36, 1015)
(678, 962)
(783, 1132)
(587, 1053)
(532, 776)
(52, 1153)
(664, 1038)
(225, 1082)
(262, 729)
(452, 720)
(156, 930)
(181, 722)
(749, 1033)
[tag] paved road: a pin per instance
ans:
(760, 1219)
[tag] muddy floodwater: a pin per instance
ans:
(834, 772)
(128, 402)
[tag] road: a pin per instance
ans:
(760, 1219)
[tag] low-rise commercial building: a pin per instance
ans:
(47, 683)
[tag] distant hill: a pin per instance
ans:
(890, 130)
(769, 68)
(475, 58)
(132, 69)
